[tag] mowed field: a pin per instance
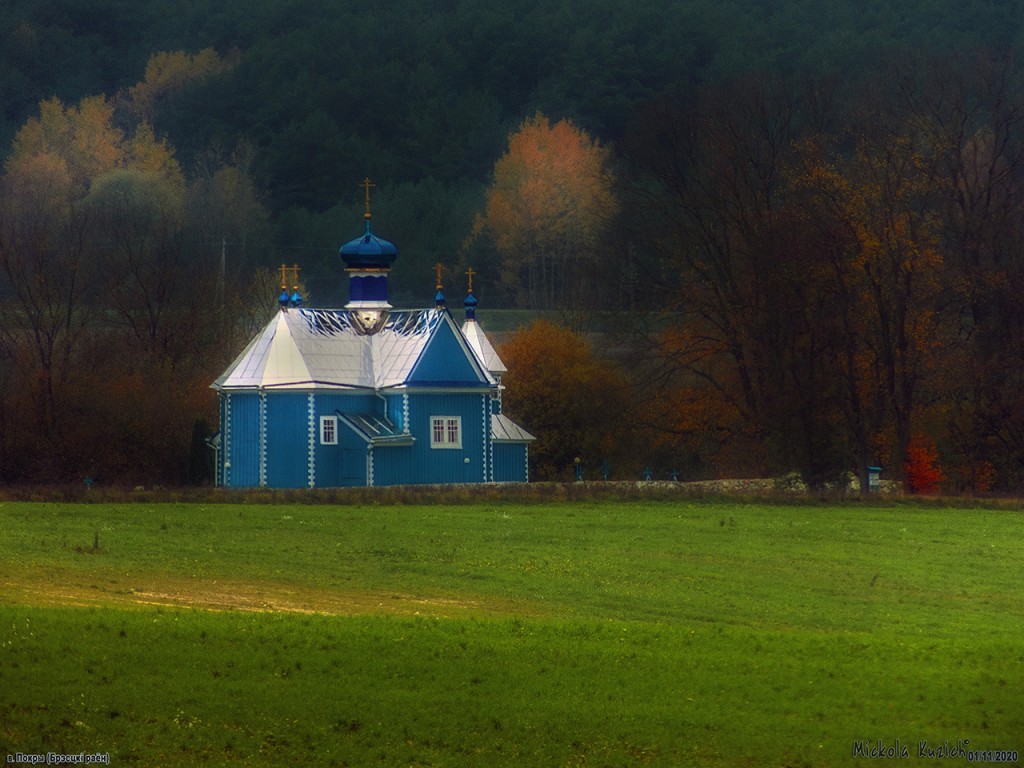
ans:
(594, 633)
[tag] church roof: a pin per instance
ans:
(327, 348)
(482, 346)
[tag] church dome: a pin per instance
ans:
(368, 251)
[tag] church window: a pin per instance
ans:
(328, 430)
(445, 431)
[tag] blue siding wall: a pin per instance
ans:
(420, 463)
(509, 463)
(288, 448)
(344, 463)
(445, 362)
(288, 440)
(347, 402)
(243, 440)
(395, 411)
(225, 433)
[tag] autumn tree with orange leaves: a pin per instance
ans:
(547, 211)
(577, 404)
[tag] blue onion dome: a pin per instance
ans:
(470, 304)
(368, 251)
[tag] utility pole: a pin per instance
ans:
(223, 263)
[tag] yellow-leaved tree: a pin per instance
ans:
(170, 72)
(548, 209)
(104, 306)
(53, 251)
(83, 137)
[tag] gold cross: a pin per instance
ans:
(295, 277)
(284, 277)
(367, 185)
(470, 273)
(437, 269)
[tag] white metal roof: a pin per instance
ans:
(313, 348)
(482, 347)
(504, 430)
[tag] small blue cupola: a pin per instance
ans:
(470, 302)
(476, 337)
(368, 261)
(439, 299)
(293, 299)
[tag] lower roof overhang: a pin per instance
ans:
(504, 430)
(375, 431)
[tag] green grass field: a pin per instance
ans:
(662, 633)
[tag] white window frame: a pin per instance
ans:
(446, 432)
(328, 430)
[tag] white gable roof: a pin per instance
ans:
(324, 348)
(482, 347)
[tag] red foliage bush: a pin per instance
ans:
(922, 466)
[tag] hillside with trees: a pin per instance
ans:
(798, 225)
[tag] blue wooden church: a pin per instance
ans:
(367, 395)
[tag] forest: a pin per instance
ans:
(776, 237)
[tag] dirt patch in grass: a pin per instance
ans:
(219, 595)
